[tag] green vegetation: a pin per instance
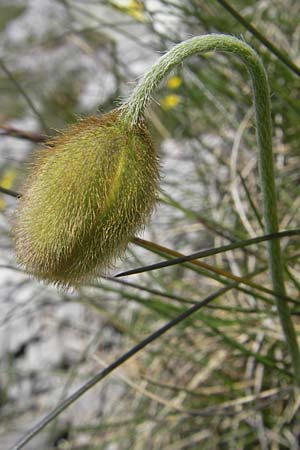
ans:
(223, 377)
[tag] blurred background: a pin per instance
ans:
(221, 379)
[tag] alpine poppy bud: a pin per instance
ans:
(87, 195)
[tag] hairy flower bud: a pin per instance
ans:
(85, 198)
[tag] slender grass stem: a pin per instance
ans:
(133, 111)
(117, 363)
(259, 36)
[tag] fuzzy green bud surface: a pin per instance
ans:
(85, 198)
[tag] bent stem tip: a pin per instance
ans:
(133, 111)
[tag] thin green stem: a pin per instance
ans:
(133, 112)
(268, 44)
(117, 363)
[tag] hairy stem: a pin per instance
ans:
(133, 111)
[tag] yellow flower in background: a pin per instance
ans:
(174, 82)
(135, 8)
(7, 181)
(170, 101)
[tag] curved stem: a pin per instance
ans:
(133, 111)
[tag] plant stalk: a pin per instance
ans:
(133, 111)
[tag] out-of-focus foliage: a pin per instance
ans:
(220, 380)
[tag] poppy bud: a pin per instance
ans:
(85, 198)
